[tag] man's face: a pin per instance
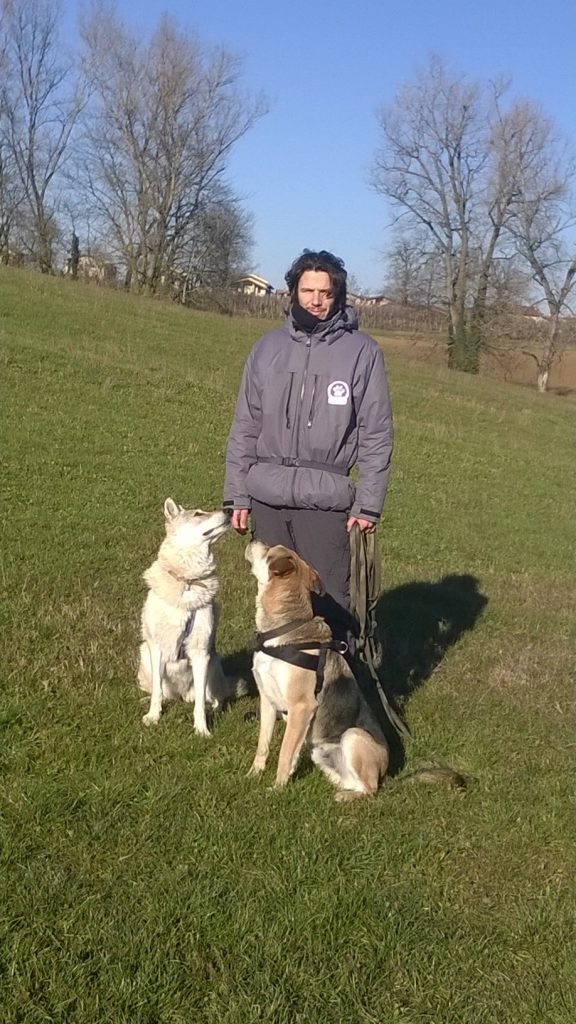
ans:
(315, 293)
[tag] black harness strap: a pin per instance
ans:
(181, 653)
(295, 653)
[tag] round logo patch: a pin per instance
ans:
(338, 392)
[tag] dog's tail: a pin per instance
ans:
(238, 687)
(433, 774)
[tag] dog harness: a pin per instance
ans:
(181, 653)
(295, 653)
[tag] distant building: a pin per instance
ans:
(375, 300)
(251, 284)
(367, 300)
(94, 268)
(532, 312)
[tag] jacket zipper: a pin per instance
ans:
(287, 410)
(300, 403)
(311, 413)
(302, 390)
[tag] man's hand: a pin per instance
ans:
(239, 519)
(363, 524)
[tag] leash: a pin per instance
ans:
(295, 653)
(364, 593)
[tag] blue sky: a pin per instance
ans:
(326, 66)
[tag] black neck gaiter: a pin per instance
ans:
(307, 321)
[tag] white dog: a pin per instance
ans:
(178, 656)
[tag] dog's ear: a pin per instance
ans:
(282, 565)
(171, 509)
(315, 583)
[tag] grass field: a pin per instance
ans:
(145, 879)
(510, 363)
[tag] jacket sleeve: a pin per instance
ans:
(244, 433)
(375, 441)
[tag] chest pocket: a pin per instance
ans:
(278, 403)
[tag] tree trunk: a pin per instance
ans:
(44, 254)
(463, 343)
(463, 351)
(463, 346)
(549, 355)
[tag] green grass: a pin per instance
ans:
(145, 879)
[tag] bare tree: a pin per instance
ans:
(217, 248)
(452, 163)
(516, 140)
(432, 156)
(40, 109)
(413, 270)
(165, 116)
(11, 192)
(543, 231)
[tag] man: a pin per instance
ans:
(313, 403)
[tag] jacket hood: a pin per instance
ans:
(342, 322)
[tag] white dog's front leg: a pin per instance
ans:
(199, 661)
(152, 717)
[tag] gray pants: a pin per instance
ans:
(321, 539)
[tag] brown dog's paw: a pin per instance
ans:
(344, 796)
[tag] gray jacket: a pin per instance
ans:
(310, 407)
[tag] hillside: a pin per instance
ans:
(145, 878)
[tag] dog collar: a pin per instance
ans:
(197, 580)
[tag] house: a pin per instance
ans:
(532, 312)
(367, 300)
(93, 268)
(251, 284)
(375, 300)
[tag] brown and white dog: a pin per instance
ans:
(347, 743)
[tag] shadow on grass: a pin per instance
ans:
(417, 623)
(238, 665)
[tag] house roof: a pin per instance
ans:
(252, 279)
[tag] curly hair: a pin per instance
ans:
(325, 261)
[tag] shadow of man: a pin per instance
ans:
(416, 624)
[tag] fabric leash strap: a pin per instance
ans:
(365, 580)
(277, 460)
